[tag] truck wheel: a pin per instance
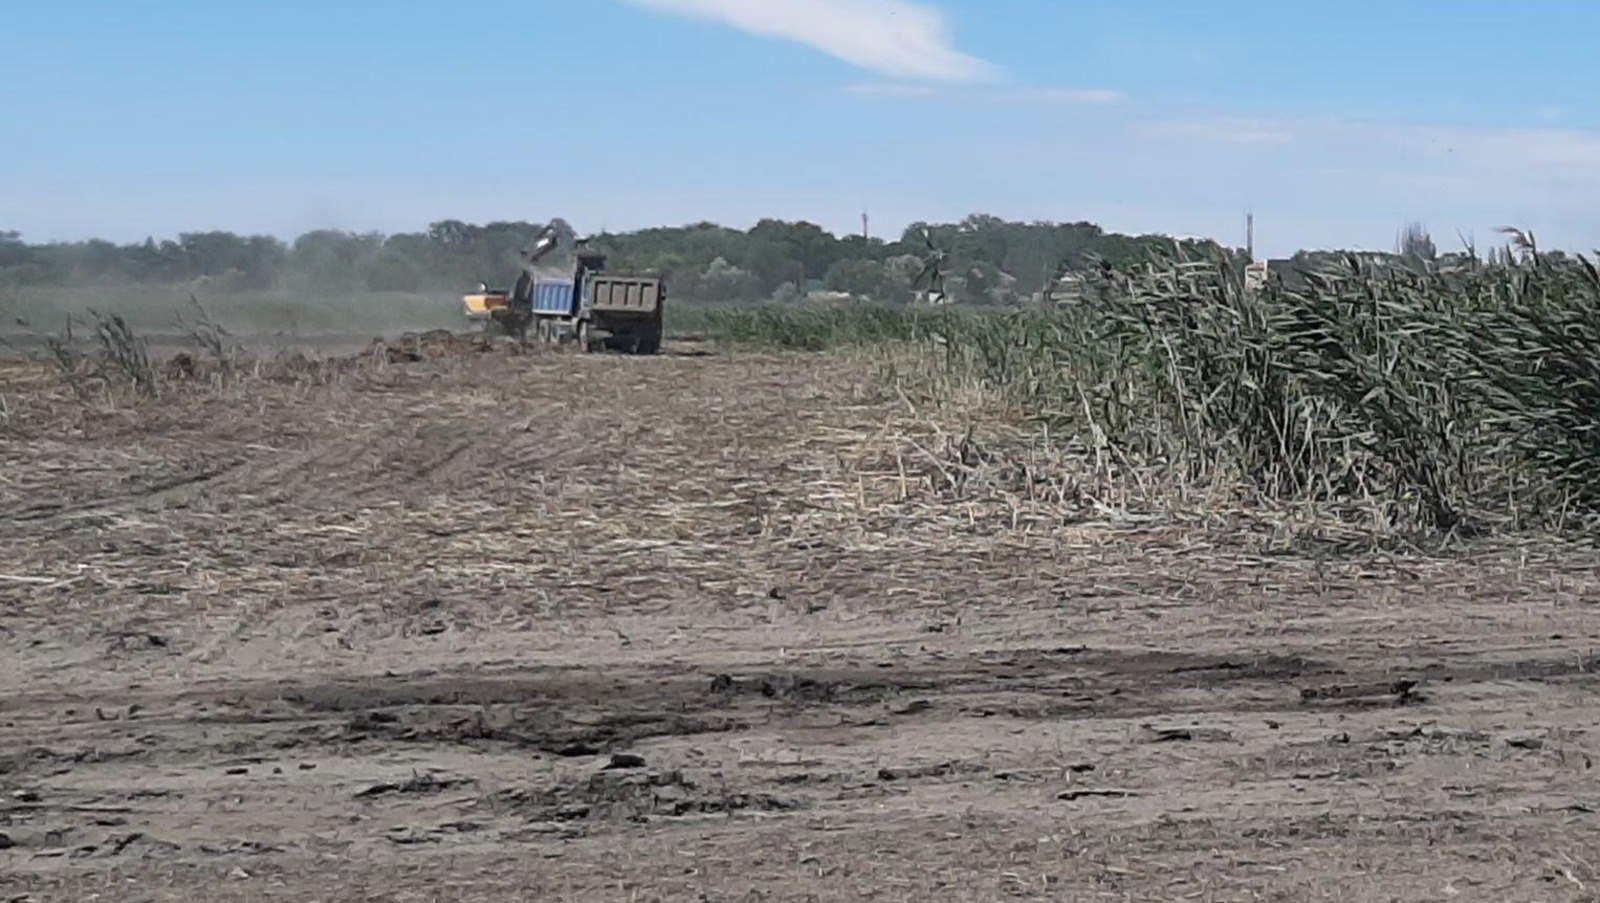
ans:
(649, 342)
(585, 342)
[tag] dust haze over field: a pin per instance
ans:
(257, 321)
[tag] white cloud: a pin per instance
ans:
(1221, 130)
(1566, 152)
(891, 89)
(1434, 151)
(1299, 172)
(900, 38)
(1073, 97)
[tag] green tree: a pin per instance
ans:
(12, 249)
(331, 260)
(864, 279)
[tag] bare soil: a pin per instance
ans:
(495, 626)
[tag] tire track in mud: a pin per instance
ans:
(580, 713)
(327, 475)
(155, 494)
(424, 755)
(405, 767)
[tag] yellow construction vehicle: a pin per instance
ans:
(481, 304)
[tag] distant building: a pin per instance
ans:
(1258, 274)
(827, 297)
(1068, 288)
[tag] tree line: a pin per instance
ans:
(981, 259)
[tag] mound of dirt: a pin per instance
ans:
(437, 343)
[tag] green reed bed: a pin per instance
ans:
(1455, 397)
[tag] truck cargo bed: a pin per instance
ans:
(553, 297)
(638, 295)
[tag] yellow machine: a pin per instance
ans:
(494, 304)
(482, 304)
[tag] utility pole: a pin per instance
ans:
(1250, 235)
(864, 234)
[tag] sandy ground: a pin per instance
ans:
(558, 627)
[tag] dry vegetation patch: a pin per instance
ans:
(737, 626)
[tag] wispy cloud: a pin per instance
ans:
(1070, 97)
(1543, 151)
(899, 38)
(1560, 152)
(891, 89)
(1221, 130)
(1344, 182)
(1090, 97)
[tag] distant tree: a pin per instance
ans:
(865, 279)
(981, 283)
(901, 275)
(451, 233)
(330, 260)
(815, 249)
(788, 293)
(987, 258)
(724, 282)
(256, 261)
(12, 249)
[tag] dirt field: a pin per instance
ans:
(729, 627)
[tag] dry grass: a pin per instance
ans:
(507, 553)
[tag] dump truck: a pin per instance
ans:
(593, 307)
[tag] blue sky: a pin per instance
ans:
(1335, 122)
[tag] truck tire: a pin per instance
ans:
(585, 340)
(649, 342)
